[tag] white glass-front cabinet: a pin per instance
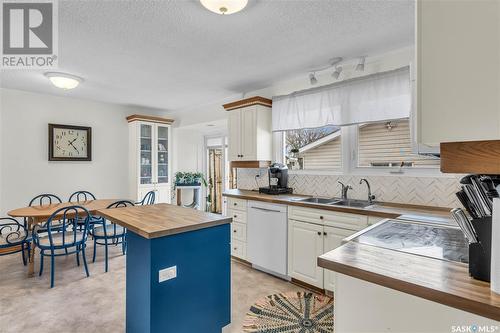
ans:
(150, 158)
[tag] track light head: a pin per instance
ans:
(313, 79)
(360, 67)
(336, 73)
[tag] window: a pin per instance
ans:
(313, 149)
(388, 144)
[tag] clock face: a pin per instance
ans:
(70, 143)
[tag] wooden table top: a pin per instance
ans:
(153, 221)
(444, 282)
(45, 211)
(379, 209)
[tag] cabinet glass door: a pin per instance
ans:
(146, 139)
(162, 158)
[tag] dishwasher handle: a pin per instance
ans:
(266, 209)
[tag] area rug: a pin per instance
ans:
(303, 312)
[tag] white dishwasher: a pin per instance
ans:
(267, 233)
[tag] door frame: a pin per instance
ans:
(223, 145)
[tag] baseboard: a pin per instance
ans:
(308, 286)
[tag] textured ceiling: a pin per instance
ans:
(175, 54)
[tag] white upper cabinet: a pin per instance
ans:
(250, 135)
(457, 71)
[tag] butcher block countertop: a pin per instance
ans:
(441, 281)
(153, 221)
(379, 209)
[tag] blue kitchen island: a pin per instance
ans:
(178, 269)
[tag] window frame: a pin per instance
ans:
(349, 148)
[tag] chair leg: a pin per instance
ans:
(41, 263)
(52, 268)
(23, 246)
(85, 261)
(106, 254)
(93, 256)
(123, 244)
(78, 255)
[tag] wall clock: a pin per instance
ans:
(70, 143)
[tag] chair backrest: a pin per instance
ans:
(11, 232)
(63, 226)
(118, 204)
(149, 198)
(44, 199)
(81, 196)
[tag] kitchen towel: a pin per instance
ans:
(495, 247)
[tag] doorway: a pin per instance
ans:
(216, 171)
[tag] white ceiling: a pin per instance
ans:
(172, 55)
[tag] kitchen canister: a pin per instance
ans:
(495, 247)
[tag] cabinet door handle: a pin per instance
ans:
(234, 231)
(235, 216)
(325, 233)
(235, 204)
(319, 233)
(321, 217)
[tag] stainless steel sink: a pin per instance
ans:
(352, 203)
(324, 201)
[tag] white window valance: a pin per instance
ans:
(371, 98)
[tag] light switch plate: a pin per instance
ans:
(167, 273)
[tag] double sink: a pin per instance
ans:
(337, 202)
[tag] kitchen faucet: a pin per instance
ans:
(345, 188)
(370, 195)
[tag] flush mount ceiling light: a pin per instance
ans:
(336, 73)
(360, 67)
(224, 7)
(63, 80)
(313, 79)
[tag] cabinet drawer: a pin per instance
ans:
(239, 249)
(328, 218)
(238, 204)
(237, 215)
(239, 231)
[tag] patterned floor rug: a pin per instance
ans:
(295, 312)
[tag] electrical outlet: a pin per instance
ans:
(167, 273)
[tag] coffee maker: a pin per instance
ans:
(278, 180)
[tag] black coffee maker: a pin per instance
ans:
(278, 180)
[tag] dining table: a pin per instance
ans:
(40, 214)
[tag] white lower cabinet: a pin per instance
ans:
(305, 244)
(332, 239)
(313, 232)
(237, 209)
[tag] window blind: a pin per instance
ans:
(376, 97)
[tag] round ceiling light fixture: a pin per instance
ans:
(63, 80)
(224, 7)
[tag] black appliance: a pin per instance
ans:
(278, 180)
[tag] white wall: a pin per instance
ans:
(25, 169)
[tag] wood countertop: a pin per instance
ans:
(379, 209)
(153, 221)
(444, 282)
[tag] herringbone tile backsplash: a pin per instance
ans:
(428, 191)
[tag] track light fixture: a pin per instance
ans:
(360, 67)
(336, 73)
(313, 79)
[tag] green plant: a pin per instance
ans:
(185, 178)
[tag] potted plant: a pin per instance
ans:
(190, 179)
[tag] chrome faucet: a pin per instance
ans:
(344, 190)
(370, 195)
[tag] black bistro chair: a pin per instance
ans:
(149, 199)
(60, 236)
(81, 196)
(105, 233)
(14, 238)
